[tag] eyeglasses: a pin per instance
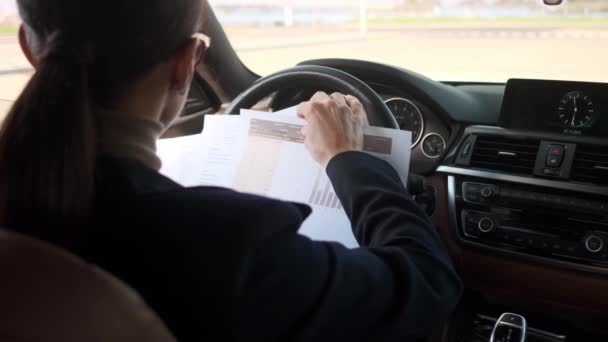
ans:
(202, 50)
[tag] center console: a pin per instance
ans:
(537, 187)
(487, 321)
(544, 219)
(556, 226)
(527, 211)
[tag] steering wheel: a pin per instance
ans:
(318, 77)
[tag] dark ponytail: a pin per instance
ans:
(48, 143)
(91, 52)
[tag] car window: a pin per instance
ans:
(447, 40)
(15, 70)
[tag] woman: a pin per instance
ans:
(78, 168)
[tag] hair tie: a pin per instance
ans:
(61, 47)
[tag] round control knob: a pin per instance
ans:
(487, 192)
(486, 225)
(594, 243)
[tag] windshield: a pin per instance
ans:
(446, 40)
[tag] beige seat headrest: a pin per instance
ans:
(48, 295)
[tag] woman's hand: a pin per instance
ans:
(335, 125)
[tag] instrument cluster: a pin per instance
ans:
(426, 136)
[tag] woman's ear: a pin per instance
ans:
(26, 48)
(183, 67)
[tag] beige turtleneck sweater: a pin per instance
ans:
(130, 137)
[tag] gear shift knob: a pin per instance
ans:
(509, 328)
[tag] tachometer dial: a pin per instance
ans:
(576, 110)
(408, 116)
(433, 145)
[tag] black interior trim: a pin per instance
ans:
(560, 185)
(200, 98)
(224, 63)
(453, 103)
(491, 130)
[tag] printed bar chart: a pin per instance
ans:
(323, 194)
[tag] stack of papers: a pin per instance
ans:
(263, 153)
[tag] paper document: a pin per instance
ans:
(264, 153)
(178, 159)
(385, 143)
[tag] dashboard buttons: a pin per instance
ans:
(487, 192)
(472, 187)
(555, 159)
(479, 193)
(479, 224)
(486, 225)
(551, 172)
(594, 243)
(534, 221)
(472, 192)
(555, 155)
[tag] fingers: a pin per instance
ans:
(354, 104)
(321, 100)
(357, 108)
(339, 99)
(317, 100)
(303, 110)
(320, 96)
(331, 125)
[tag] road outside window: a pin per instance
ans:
(446, 40)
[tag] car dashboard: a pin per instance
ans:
(429, 133)
(522, 209)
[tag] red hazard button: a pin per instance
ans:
(555, 156)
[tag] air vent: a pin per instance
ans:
(591, 165)
(509, 155)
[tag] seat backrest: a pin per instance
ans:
(48, 295)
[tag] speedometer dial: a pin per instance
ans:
(408, 116)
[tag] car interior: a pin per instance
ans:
(520, 200)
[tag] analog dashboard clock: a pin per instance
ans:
(576, 110)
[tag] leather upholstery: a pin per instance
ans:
(49, 295)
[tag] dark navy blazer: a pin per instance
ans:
(218, 265)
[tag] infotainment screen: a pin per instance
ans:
(574, 108)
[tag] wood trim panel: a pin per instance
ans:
(570, 293)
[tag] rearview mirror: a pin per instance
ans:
(553, 2)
